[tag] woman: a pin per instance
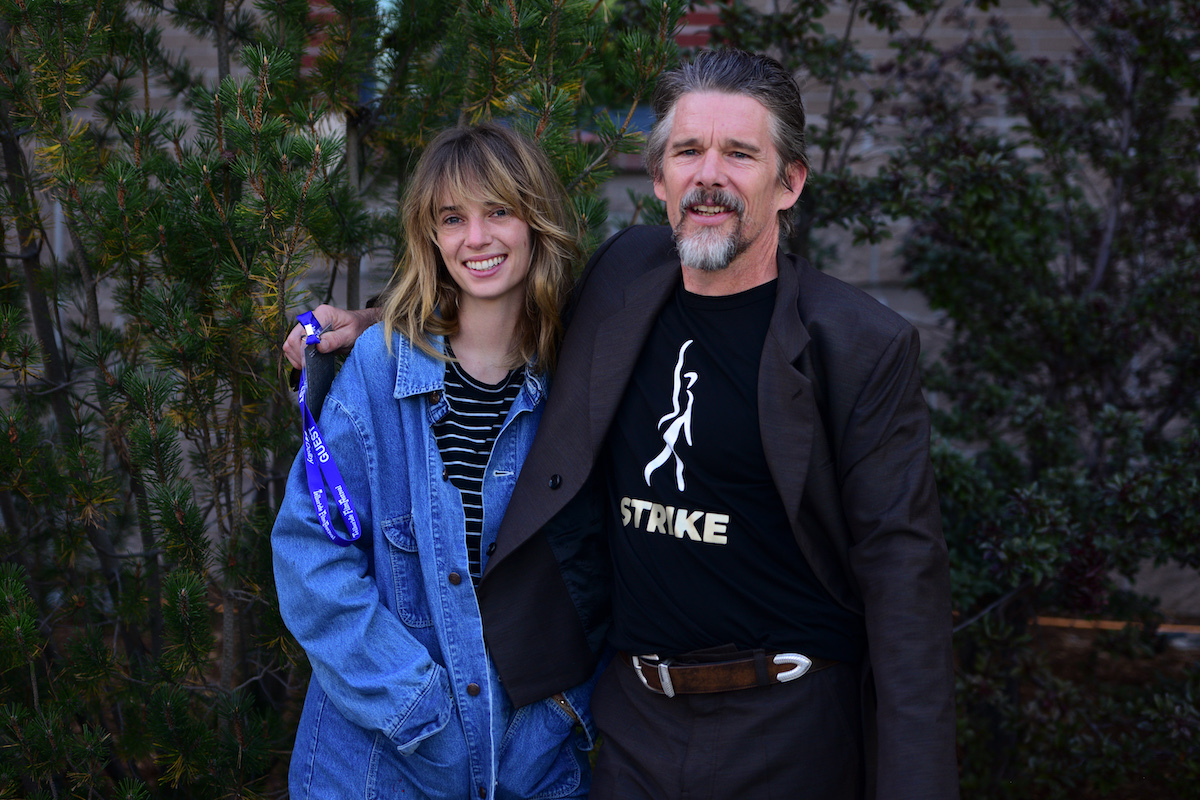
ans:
(429, 421)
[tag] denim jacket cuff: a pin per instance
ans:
(426, 716)
(579, 699)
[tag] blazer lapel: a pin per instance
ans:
(594, 381)
(786, 406)
(618, 342)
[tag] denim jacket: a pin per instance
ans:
(404, 699)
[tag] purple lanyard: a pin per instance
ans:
(318, 462)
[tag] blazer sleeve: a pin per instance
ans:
(373, 670)
(899, 560)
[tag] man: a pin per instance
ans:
(731, 487)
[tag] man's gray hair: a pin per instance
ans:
(734, 72)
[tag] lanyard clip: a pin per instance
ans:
(312, 328)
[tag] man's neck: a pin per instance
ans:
(752, 268)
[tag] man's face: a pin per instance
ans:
(720, 180)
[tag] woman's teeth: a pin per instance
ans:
(486, 264)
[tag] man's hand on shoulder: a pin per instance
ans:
(340, 328)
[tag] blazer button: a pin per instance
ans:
(454, 578)
(473, 689)
(555, 481)
(491, 548)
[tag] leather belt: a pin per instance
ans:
(762, 668)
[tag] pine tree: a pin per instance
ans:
(147, 426)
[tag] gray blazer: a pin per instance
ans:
(845, 429)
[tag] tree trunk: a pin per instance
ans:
(221, 33)
(354, 174)
(27, 234)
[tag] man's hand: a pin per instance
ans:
(339, 330)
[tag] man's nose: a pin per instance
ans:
(711, 172)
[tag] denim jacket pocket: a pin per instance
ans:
(437, 768)
(542, 755)
(411, 604)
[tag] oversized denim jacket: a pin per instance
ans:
(404, 699)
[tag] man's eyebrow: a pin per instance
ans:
(730, 144)
(735, 144)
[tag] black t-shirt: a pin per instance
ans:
(703, 554)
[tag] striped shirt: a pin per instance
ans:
(465, 438)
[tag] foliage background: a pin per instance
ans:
(1061, 251)
(147, 426)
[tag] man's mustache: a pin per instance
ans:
(711, 197)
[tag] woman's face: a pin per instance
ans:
(486, 247)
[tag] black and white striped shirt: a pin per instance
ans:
(466, 436)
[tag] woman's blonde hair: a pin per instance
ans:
(494, 165)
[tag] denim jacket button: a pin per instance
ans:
(434, 398)
(445, 474)
(473, 689)
(482, 792)
(455, 578)
(555, 481)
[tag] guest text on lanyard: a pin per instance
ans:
(318, 462)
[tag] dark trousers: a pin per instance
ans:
(795, 741)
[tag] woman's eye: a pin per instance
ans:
(500, 212)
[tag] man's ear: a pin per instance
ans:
(660, 191)
(796, 175)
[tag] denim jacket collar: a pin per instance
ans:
(417, 372)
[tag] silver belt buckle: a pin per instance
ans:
(664, 673)
(800, 665)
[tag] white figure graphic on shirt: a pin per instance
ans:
(680, 419)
